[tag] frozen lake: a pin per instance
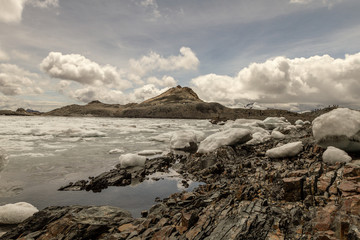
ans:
(48, 152)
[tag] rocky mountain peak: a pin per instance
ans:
(176, 94)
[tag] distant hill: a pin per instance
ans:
(177, 102)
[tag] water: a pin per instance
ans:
(48, 152)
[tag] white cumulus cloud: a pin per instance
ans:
(11, 10)
(187, 60)
(329, 3)
(15, 81)
(314, 80)
(165, 81)
(3, 55)
(77, 68)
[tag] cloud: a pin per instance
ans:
(11, 10)
(3, 56)
(314, 80)
(153, 7)
(77, 68)
(43, 3)
(165, 81)
(187, 60)
(328, 3)
(145, 92)
(15, 81)
(107, 95)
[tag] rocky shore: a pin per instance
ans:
(246, 195)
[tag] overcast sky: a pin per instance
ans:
(293, 54)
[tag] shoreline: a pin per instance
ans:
(247, 195)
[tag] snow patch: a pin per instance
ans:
(287, 150)
(132, 160)
(16, 213)
(332, 155)
(227, 137)
(182, 139)
(339, 128)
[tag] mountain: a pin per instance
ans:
(174, 95)
(177, 102)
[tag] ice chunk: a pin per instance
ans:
(116, 151)
(183, 139)
(244, 123)
(339, 128)
(16, 213)
(259, 137)
(4, 159)
(132, 160)
(333, 155)
(299, 122)
(227, 137)
(277, 135)
(275, 122)
(149, 152)
(287, 150)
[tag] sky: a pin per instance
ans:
(288, 54)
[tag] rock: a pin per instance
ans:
(333, 155)
(287, 150)
(293, 188)
(339, 128)
(74, 222)
(228, 137)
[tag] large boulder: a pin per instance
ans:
(339, 128)
(228, 137)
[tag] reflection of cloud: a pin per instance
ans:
(171, 175)
(318, 79)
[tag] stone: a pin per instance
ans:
(293, 188)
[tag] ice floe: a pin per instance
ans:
(287, 150)
(149, 152)
(275, 122)
(339, 128)
(116, 151)
(16, 213)
(132, 160)
(228, 137)
(333, 155)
